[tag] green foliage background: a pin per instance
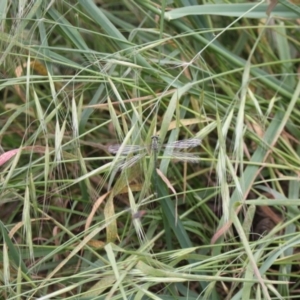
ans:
(79, 76)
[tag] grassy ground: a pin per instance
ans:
(80, 76)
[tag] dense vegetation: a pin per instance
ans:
(80, 221)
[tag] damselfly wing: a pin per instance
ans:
(174, 150)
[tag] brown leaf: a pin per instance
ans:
(7, 156)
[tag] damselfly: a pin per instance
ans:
(174, 150)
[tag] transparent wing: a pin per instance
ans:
(183, 156)
(131, 161)
(126, 149)
(184, 144)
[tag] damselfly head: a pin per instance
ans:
(139, 214)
